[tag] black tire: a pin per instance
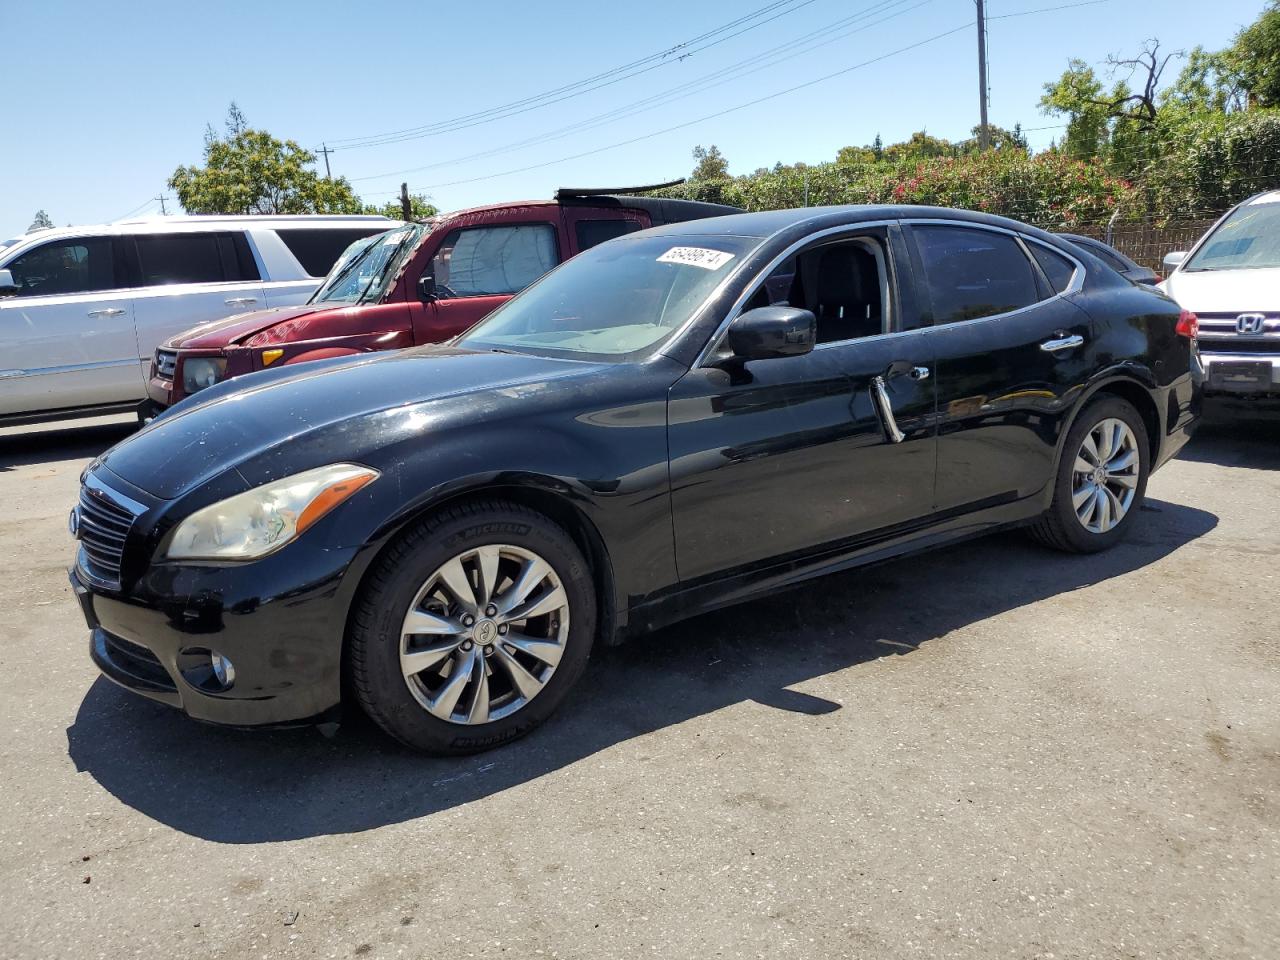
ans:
(1059, 527)
(393, 583)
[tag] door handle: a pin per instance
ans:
(880, 400)
(1062, 342)
(240, 301)
(106, 312)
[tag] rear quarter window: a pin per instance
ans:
(318, 248)
(973, 273)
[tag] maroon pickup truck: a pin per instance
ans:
(421, 283)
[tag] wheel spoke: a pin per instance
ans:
(420, 621)
(1127, 480)
(1082, 465)
(1080, 496)
(1102, 446)
(1115, 508)
(455, 579)
(413, 662)
(479, 712)
(487, 562)
(446, 699)
(1104, 510)
(524, 681)
(548, 651)
(1089, 507)
(534, 572)
(549, 601)
(1123, 459)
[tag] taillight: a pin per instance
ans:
(1188, 325)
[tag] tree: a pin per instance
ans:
(420, 206)
(1077, 95)
(1209, 82)
(41, 221)
(711, 165)
(250, 171)
(1256, 55)
(918, 147)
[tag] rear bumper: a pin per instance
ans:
(1240, 374)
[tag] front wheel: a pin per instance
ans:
(472, 628)
(1101, 480)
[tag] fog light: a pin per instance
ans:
(223, 671)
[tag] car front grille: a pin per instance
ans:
(105, 519)
(1216, 344)
(166, 363)
(1221, 333)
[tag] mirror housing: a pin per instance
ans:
(768, 333)
(1172, 260)
(426, 288)
(8, 286)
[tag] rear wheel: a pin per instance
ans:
(472, 628)
(1101, 480)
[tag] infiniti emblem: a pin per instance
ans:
(1250, 323)
(486, 631)
(73, 523)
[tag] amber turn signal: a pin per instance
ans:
(271, 356)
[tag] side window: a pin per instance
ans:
(973, 273)
(1109, 258)
(64, 267)
(318, 249)
(844, 284)
(492, 261)
(166, 258)
(1056, 267)
(592, 232)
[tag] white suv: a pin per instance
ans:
(82, 309)
(1231, 281)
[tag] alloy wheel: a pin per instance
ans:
(484, 634)
(1105, 475)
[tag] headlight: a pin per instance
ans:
(255, 523)
(201, 372)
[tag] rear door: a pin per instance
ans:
(67, 338)
(1011, 351)
(189, 278)
(478, 268)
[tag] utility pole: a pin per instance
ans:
(163, 211)
(324, 148)
(406, 208)
(984, 134)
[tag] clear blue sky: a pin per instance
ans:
(106, 99)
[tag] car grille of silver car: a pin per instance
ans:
(1221, 333)
(105, 519)
(166, 362)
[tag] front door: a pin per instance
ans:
(1011, 352)
(479, 268)
(67, 338)
(800, 453)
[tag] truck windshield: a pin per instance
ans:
(615, 302)
(1249, 239)
(366, 268)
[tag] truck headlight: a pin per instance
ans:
(259, 521)
(201, 372)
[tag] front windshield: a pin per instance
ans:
(614, 302)
(1249, 239)
(366, 268)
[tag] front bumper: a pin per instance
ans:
(285, 644)
(1240, 374)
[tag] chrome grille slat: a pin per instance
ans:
(166, 362)
(106, 518)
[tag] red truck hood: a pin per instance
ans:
(221, 333)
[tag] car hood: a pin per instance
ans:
(1225, 291)
(347, 408)
(221, 333)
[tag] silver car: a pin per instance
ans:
(82, 309)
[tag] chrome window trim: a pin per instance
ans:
(763, 274)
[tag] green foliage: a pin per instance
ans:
(250, 171)
(711, 165)
(40, 221)
(1256, 54)
(1215, 160)
(1076, 95)
(420, 206)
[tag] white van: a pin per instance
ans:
(1231, 281)
(82, 309)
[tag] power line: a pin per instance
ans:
(698, 86)
(677, 53)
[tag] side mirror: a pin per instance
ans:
(766, 333)
(8, 286)
(1171, 260)
(426, 288)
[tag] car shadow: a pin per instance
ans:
(62, 443)
(253, 787)
(1235, 433)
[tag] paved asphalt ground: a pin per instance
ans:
(991, 751)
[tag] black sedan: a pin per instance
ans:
(1117, 261)
(671, 422)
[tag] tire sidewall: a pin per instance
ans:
(1095, 411)
(430, 546)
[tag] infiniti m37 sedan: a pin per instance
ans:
(672, 421)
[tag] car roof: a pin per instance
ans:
(661, 210)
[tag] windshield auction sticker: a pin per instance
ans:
(696, 257)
